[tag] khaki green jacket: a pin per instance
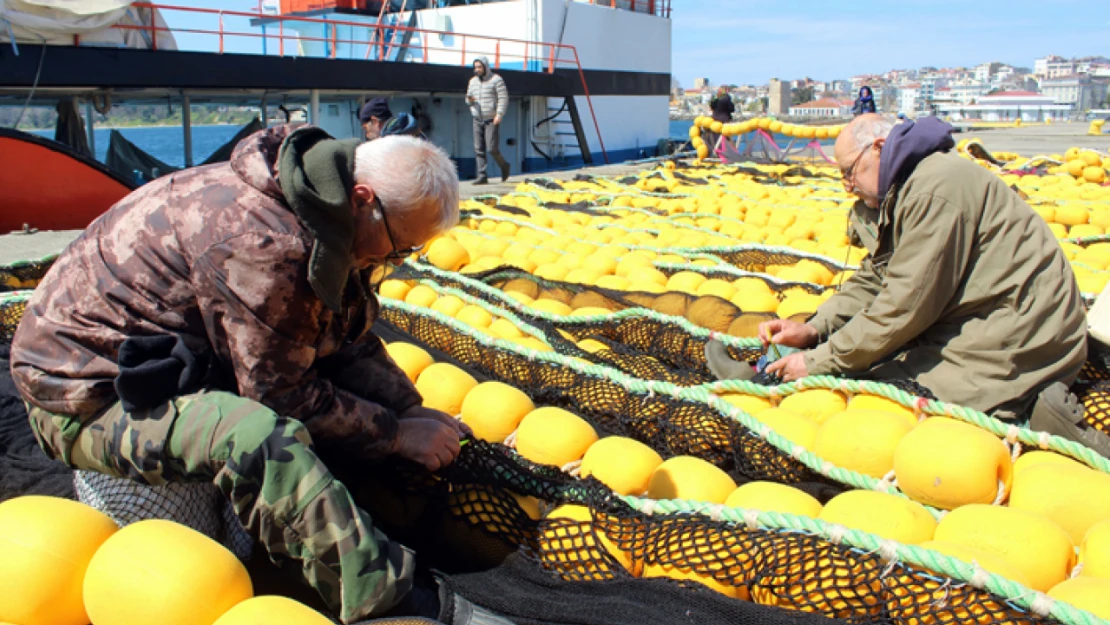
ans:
(965, 284)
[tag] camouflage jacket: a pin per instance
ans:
(213, 254)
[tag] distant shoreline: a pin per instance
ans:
(107, 127)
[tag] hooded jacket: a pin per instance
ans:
(216, 255)
(491, 96)
(864, 103)
(964, 283)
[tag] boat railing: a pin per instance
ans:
(373, 41)
(660, 8)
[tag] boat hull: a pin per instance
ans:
(51, 187)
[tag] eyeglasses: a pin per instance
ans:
(381, 271)
(849, 173)
(396, 254)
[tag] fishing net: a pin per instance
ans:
(486, 507)
(12, 305)
(810, 569)
(199, 506)
(647, 346)
(671, 425)
(24, 274)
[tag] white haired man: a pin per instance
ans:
(965, 290)
(214, 325)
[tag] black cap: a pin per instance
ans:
(378, 107)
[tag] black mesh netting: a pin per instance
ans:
(671, 426)
(757, 259)
(11, 311)
(24, 469)
(1096, 405)
(643, 347)
(478, 520)
(725, 317)
(198, 505)
(23, 275)
(600, 559)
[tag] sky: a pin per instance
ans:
(210, 21)
(752, 41)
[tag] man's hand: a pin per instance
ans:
(790, 368)
(496, 120)
(429, 442)
(420, 412)
(788, 333)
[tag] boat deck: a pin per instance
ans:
(1027, 141)
(17, 247)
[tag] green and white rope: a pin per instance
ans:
(890, 551)
(654, 387)
(1009, 432)
(731, 270)
(520, 323)
(15, 297)
(707, 394)
(522, 223)
(504, 301)
(29, 262)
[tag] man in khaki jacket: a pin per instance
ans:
(965, 290)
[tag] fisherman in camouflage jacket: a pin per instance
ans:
(252, 283)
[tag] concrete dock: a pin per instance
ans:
(1026, 141)
(1039, 140)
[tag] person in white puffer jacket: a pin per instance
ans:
(488, 99)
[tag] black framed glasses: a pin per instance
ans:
(849, 173)
(395, 254)
(379, 272)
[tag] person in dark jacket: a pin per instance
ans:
(722, 106)
(373, 117)
(722, 109)
(865, 103)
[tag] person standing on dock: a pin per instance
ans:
(865, 103)
(722, 108)
(373, 116)
(488, 99)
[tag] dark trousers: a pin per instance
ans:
(487, 139)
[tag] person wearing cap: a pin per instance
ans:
(488, 99)
(373, 116)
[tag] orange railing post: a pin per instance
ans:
(589, 101)
(332, 38)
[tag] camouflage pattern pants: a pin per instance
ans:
(283, 494)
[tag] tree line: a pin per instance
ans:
(44, 117)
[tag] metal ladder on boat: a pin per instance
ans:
(388, 42)
(567, 132)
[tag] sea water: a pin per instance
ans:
(165, 143)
